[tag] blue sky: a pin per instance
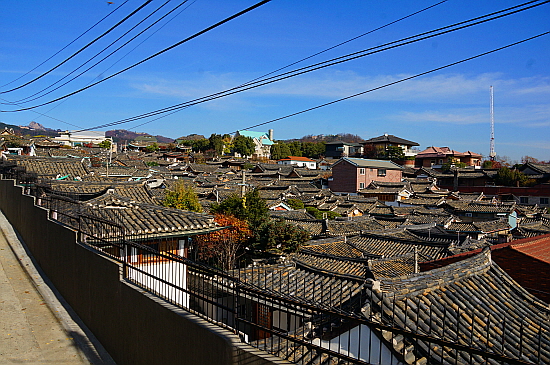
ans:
(446, 108)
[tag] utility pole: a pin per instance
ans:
(243, 185)
(492, 153)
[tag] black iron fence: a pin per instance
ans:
(341, 321)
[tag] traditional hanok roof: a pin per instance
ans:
(315, 227)
(532, 229)
(480, 227)
(472, 302)
(383, 187)
(391, 245)
(45, 143)
(68, 152)
(51, 167)
(291, 214)
(142, 220)
(332, 247)
(198, 168)
(304, 284)
(352, 226)
(393, 266)
(425, 200)
(85, 190)
(480, 207)
(331, 265)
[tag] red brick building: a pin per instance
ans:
(349, 175)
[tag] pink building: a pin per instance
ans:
(349, 175)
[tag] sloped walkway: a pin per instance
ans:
(34, 327)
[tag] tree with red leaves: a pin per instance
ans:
(224, 246)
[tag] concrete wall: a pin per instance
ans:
(133, 326)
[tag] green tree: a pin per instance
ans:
(512, 177)
(244, 146)
(295, 203)
(452, 162)
(394, 153)
(321, 214)
(216, 143)
(295, 148)
(313, 149)
(182, 197)
(200, 145)
(280, 150)
(105, 144)
(152, 147)
(277, 236)
(251, 208)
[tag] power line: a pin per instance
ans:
(62, 49)
(127, 53)
(315, 54)
(345, 42)
(82, 49)
(398, 81)
(28, 98)
(152, 56)
(324, 64)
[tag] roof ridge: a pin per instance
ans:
(410, 285)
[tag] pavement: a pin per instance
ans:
(36, 325)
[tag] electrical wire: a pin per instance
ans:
(345, 42)
(82, 49)
(370, 51)
(152, 56)
(125, 55)
(62, 49)
(30, 98)
(398, 81)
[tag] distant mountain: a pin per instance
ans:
(32, 130)
(124, 136)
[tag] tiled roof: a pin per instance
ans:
(471, 302)
(140, 219)
(331, 265)
(333, 247)
(291, 214)
(51, 167)
(303, 284)
(479, 207)
(393, 245)
(393, 267)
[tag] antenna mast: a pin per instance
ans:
(492, 153)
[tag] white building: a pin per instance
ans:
(299, 162)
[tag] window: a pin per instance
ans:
(361, 185)
(524, 200)
(381, 172)
(544, 201)
(361, 171)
